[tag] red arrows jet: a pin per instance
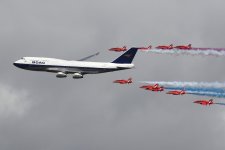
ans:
(165, 46)
(204, 102)
(128, 81)
(183, 46)
(118, 49)
(145, 48)
(177, 92)
(154, 88)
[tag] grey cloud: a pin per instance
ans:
(13, 101)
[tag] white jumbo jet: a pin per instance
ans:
(77, 68)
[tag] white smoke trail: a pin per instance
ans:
(192, 52)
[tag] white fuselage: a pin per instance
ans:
(68, 67)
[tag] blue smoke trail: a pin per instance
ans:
(188, 84)
(209, 94)
(217, 90)
(220, 103)
(211, 89)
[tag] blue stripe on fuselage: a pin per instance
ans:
(66, 69)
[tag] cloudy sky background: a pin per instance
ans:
(40, 112)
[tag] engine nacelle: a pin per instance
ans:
(61, 75)
(77, 76)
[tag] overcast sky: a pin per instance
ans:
(41, 112)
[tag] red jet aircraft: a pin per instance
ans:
(204, 102)
(154, 88)
(118, 49)
(145, 48)
(177, 92)
(123, 81)
(183, 46)
(165, 46)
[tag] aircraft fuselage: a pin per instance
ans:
(68, 67)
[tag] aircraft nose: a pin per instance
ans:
(20, 64)
(16, 63)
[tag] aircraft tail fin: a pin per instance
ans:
(127, 57)
(156, 85)
(210, 101)
(130, 80)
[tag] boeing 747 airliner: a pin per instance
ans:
(77, 68)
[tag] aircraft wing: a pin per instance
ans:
(88, 57)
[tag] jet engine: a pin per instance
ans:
(77, 76)
(61, 75)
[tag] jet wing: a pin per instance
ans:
(88, 57)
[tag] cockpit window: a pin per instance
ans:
(23, 59)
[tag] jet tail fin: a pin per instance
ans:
(127, 57)
(211, 101)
